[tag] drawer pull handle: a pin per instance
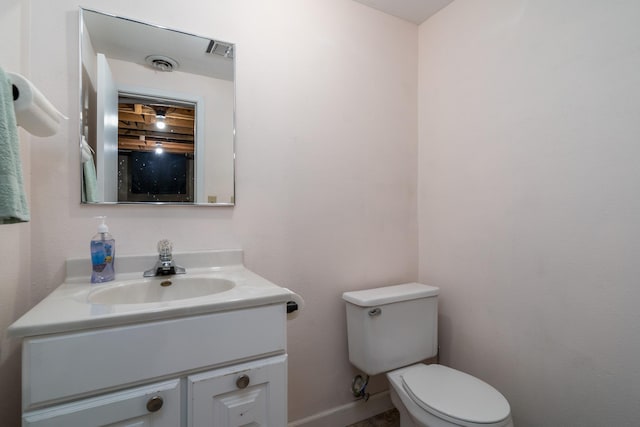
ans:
(154, 404)
(242, 381)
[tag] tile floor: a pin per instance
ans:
(391, 418)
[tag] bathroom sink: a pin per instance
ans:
(159, 289)
(216, 281)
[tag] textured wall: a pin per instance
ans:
(528, 201)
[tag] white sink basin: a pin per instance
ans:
(159, 289)
(216, 281)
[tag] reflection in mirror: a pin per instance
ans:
(157, 122)
(155, 150)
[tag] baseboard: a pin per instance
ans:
(344, 415)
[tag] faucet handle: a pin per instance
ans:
(165, 248)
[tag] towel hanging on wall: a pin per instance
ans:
(13, 200)
(34, 112)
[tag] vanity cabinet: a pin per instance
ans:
(224, 369)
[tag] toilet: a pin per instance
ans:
(391, 330)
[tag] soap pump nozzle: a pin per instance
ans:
(102, 227)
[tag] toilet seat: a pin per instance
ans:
(454, 396)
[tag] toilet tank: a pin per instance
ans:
(392, 326)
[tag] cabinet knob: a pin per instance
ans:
(154, 404)
(242, 381)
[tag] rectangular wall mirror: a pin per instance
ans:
(157, 114)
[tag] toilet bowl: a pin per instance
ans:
(438, 396)
(390, 330)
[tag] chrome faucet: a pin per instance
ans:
(165, 265)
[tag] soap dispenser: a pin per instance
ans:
(103, 251)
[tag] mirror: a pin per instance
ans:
(157, 114)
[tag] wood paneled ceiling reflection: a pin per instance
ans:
(137, 129)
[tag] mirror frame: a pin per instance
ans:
(81, 26)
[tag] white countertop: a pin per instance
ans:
(68, 307)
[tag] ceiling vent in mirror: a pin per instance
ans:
(162, 63)
(220, 48)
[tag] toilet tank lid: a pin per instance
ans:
(390, 294)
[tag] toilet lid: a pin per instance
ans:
(439, 389)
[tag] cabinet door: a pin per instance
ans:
(156, 405)
(252, 394)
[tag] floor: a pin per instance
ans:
(391, 418)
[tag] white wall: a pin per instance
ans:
(326, 169)
(529, 200)
(14, 238)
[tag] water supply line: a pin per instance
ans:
(358, 386)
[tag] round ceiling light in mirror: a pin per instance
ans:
(162, 63)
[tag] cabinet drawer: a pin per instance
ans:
(136, 407)
(64, 366)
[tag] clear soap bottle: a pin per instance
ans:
(103, 252)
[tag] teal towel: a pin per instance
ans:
(13, 201)
(89, 182)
